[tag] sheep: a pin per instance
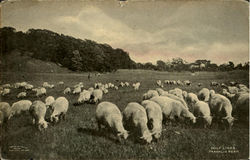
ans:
(77, 90)
(20, 106)
(21, 95)
(179, 82)
(49, 101)
(221, 109)
(60, 105)
(187, 82)
(243, 88)
(175, 98)
(67, 90)
(126, 84)
(17, 85)
(149, 94)
(135, 118)
(172, 108)
(214, 84)
(232, 83)
(199, 84)
(28, 87)
(37, 111)
(79, 85)
(96, 96)
(23, 84)
(5, 110)
(160, 91)
(6, 85)
(84, 96)
(202, 111)
(109, 115)
(177, 92)
(158, 82)
(91, 89)
(136, 86)
(191, 100)
(5, 91)
(122, 84)
(105, 91)
(242, 106)
(116, 87)
(232, 90)
(40, 91)
(47, 85)
(203, 94)
(155, 117)
(228, 95)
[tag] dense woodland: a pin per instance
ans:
(87, 55)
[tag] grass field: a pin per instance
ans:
(77, 137)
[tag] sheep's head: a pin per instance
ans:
(208, 119)
(123, 135)
(147, 137)
(228, 121)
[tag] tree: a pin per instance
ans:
(161, 65)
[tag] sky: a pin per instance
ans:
(149, 30)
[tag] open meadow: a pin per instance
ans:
(77, 137)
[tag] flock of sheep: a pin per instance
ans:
(144, 119)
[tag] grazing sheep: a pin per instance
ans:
(175, 98)
(6, 85)
(199, 84)
(232, 90)
(203, 95)
(38, 111)
(214, 84)
(122, 84)
(228, 95)
(96, 96)
(149, 94)
(105, 91)
(136, 86)
(202, 111)
(79, 85)
(109, 115)
(126, 84)
(187, 82)
(232, 83)
(40, 91)
(77, 90)
(47, 85)
(172, 108)
(116, 87)
(160, 91)
(49, 101)
(191, 100)
(84, 96)
(20, 106)
(23, 84)
(5, 91)
(155, 118)
(243, 88)
(67, 90)
(60, 105)
(177, 92)
(17, 85)
(28, 87)
(221, 109)
(21, 95)
(91, 89)
(135, 118)
(6, 112)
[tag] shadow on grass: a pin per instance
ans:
(95, 132)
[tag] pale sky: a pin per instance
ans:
(149, 30)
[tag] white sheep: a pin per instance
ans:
(6, 112)
(6, 85)
(187, 82)
(177, 92)
(96, 96)
(202, 111)
(19, 107)
(40, 91)
(149, 94)
(21, 95)
(122, 84)
(28, 87)
(172, 108)
(49, 101)
(17, 85)
(60, 83)
(126, 84)
(60, 105)
(5, 91)
(155, 117)
(175, 98)
(136, 86)
(232, 90)
(38, 111)
(23, 84)
(91, 89)
(221, 109)
(203, 95)
(84, 96)
(160, 91)
(135, 119)
(109, 115)
(67, 90)
(77, 90)
(191, 100)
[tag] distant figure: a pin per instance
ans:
(89, 76)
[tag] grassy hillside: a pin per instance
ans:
(78, 138)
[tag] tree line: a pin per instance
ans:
(87, 55)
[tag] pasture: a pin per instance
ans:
(78, 138)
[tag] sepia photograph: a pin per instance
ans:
(124, 79)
